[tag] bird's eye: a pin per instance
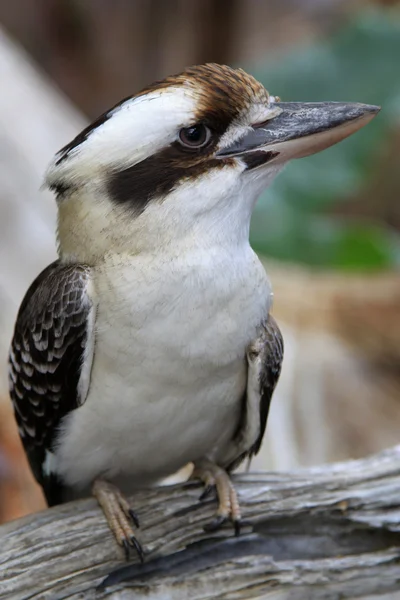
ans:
(196, 136)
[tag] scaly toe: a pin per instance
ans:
(119, 517)
(129, 539)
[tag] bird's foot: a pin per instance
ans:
(119, 516)
(214, 476)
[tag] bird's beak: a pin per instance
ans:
(301, 128)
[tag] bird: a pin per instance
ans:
(149, 343)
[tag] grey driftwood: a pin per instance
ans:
(328, 532)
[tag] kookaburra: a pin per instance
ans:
(149, 343)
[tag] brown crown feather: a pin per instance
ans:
(223, 92)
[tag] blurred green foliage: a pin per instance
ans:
(360, 63)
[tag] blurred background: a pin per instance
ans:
(328, 230)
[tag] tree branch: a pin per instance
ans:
(325, 532)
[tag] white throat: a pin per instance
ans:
(214, 210)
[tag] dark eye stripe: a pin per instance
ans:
(158, 175)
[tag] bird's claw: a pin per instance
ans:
(216, 523)
(237, 525)
(134, 517)
(132, 544)
(220, 520)
(206, 492)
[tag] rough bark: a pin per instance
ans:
(328, 532)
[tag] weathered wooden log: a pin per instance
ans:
(324, 532)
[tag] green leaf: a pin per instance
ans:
(321, 241)
(364, 247)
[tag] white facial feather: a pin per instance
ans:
(135, 130)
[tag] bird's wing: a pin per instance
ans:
(267, 369)
(50, 362)
(264, 358)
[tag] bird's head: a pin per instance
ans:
(184, 161)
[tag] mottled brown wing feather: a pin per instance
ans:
(45, 362)
(272, 357)
(264, 359)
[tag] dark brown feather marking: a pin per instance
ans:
(268, 348)
(222, 92)
(272, 356)
(159, 174)
(46, 359)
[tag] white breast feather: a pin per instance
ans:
(169, 367)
